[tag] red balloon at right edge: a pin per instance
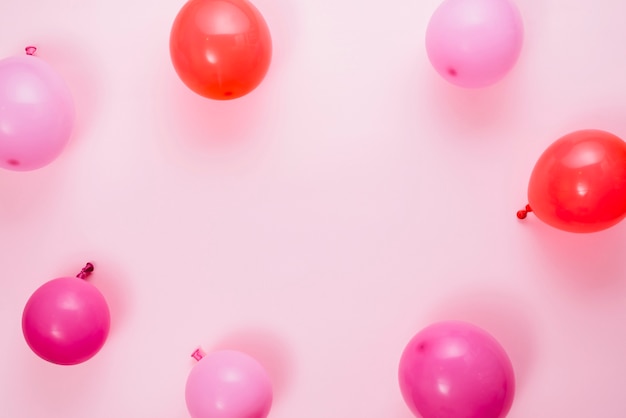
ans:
(579, 182)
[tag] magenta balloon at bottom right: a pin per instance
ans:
(453, 369)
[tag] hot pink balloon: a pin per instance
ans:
(66, 321)
(454, 369)
(474, 43)
(36, 113)
(228, 384)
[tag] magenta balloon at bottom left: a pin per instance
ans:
(66, 321)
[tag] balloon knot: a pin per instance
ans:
(86, 271)
(198, 354)
(30, 50)
(521, 214)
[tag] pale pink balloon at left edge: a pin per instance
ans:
(36, 112)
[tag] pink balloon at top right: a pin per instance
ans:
(474, 43)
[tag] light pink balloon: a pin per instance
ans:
(474, 43)
(66, 321)
(228, 384)
(453, 369)
(36, 113)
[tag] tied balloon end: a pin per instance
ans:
(521, 214)
(30, 50)
(198, 354)
(86, 271)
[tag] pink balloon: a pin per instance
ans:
(228, 384)
(474, 43)
(66, 321)
(36, 113)
(454, 369)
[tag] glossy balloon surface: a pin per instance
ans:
(221, 49)
(474, 43)
(579, 183)
(36, 113)
(456, 370)
(66, 321)
(228, 384)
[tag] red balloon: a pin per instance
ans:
(221, 49)
(579, 182)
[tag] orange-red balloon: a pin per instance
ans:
(221, 49)
(579, 182)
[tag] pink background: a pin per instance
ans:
(319, 222)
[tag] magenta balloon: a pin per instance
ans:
(454, 369)
(228, 384)
(66, 321)
(474, 43)
(36, 113)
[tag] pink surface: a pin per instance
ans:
(456, 369)
(319, 222)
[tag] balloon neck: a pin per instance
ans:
(30, 50)
(86, 271)
(198, 354)
(521, 214)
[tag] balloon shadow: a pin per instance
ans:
(267, 348)
(60, 390)
(212, 126)
(500, 313)
(198, 129)
(470, 113)
(582, 263)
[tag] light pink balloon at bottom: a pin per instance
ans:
(66, 321)
(36, 113)
(474, 43)
(228, 384)
(453, 369)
